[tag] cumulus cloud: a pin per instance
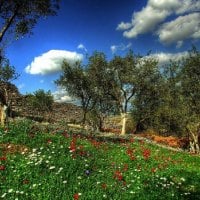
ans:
(121, 47)
(51, 61)
(164, 58)
(183, 27)
(188, 6)
(82, 47)
(154, 14)
(61, 96)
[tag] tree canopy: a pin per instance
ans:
(18, 17)
(162, 98)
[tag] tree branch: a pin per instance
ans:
(8, 24)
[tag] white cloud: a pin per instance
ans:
(188, 6)
(154, 14)
(51, 61)
(81, 46)
(179, 44)
(61, 96)
(20, 86)
(121, 47)
(164, 58)
(183, 27)
(124, 26)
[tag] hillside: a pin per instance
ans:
(64, 165)
(61, 112)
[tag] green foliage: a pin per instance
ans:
(45, 166)
(124, 77)
(164, 98)
(41, 100)
(167, 98)
(20, 17)
(191, 81)
(7, 72)
(147, 100)
(78, 84)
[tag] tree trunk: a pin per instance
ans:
(194, 139)
(7, 25)
(124, 120)
(3, 114)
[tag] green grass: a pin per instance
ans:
(61, 165)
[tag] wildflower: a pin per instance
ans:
(153, 170)
(64, 181)
(25, 181)
(3, 158)
(60, 169)
(125, 167)
(49, 141)
(10, 190)
(87, 172)
(182, 179)
(76, 196)
(104, 186)
(146, 153)
(34, 150)
(52, 167)
(118, 175)
(2, 167)
(2, 196)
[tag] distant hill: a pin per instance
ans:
(61, 112)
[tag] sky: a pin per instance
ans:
(167, 28)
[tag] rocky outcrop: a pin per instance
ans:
(61, 112)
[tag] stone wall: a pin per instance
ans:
(61, 112)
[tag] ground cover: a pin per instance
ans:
(60, 164)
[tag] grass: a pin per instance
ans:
(61, 165)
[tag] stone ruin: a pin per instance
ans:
(61, 112)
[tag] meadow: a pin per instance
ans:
(65, 165)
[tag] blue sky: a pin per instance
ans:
(166, 27)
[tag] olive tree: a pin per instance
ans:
(101, 76)
(124, 72)
(191, 92)
(18, 17)
(78, 85)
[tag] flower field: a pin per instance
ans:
(61, 165)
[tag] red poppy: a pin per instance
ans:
(25, 181)
(146, 153)
(49, 141)
(118, 175)
(130, 153)
(2, 167)
(104, 186)
(76, 196)
(153, 170)
(3, 158)
(125, 168)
